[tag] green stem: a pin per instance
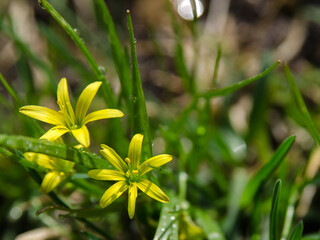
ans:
(216, 66)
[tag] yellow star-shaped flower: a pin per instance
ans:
(66, 120)
(57, 169)
(130, 175)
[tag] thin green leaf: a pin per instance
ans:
(264, 173)
(10, 90)
(290, 212)
(54, 149)
(139, 117)
(210, 227)
(216, 65)
(121, 64)
(301, 105)
(274, 220)
(179, 59)
(227, 90)
(236, 186)
(107, 92)
(168, 226)
(297, 232)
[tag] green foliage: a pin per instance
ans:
(274, 214)
(230, 138)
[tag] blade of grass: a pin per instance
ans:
(54, 149)
(10, 90)
(234, 87)
(121, 65)
(263, 174)
(216, 66)
(140, 122)
(290, 213)
(301, 105)
(168, 226)
(179, 52)
(107, 92)
(297, 232)
(274, 220)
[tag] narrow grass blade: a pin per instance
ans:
(10, 90)
(139, 116)
(210, 227)
(290, 213)
(216, 65)
(54, 149)
(297, 232)
(182, 67)
(179, 51)
(168, 226)
(301, 105)
(274, 220)
(264, 173)
(227, 90)
(107, 92)
(236, 186)
(121, 64)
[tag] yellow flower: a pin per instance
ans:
(129, 175)
(66, 120)
(58, 169)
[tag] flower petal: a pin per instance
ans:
(41, 159)
(49, 162)
(152, 190)
(132, 196)
(113, 193)
(135, 150)
(43, 114)
(109, 154)
(51, 180)
(106, 174)
(82, 135)
(64, 101)
(85, 100)
(102, 114)
(154, 162)
(54, 133)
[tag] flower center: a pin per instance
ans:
(132, 175)
(74, 127)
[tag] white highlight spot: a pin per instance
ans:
(185, 9)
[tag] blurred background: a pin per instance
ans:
(35, 53)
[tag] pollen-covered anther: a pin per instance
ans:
(135, 171)
(128, 173)
(127, 160)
